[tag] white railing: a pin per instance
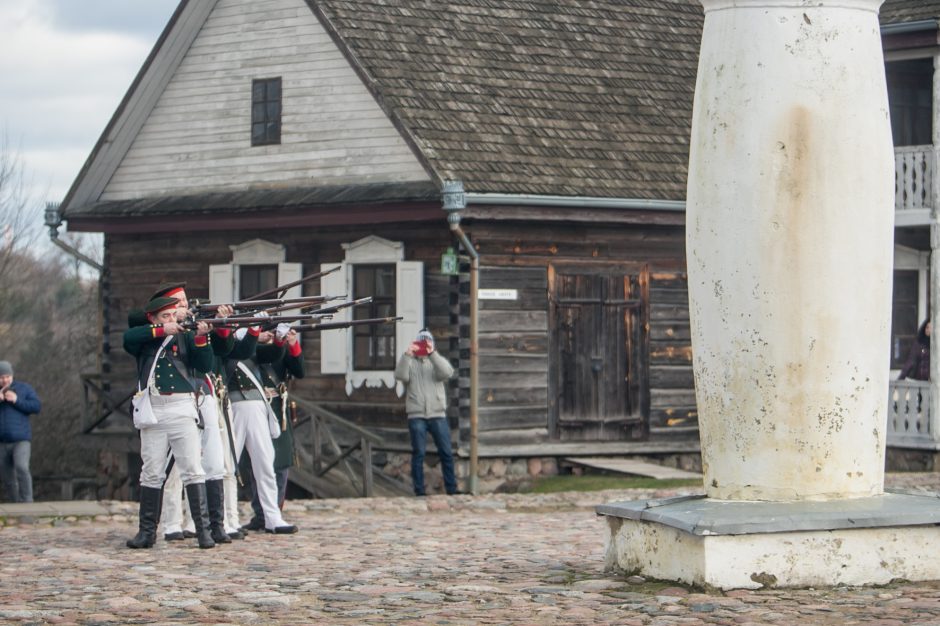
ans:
(913, 178)
(909, 414)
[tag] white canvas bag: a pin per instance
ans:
(142, 407)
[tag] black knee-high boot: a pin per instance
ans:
(150, 505)
(196, 494)
(215, 500)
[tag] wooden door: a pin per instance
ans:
(599, 337)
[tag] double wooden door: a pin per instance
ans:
(600, 352)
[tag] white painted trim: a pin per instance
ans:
(912, 217)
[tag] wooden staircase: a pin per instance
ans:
(334, 456)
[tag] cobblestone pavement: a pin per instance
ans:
(510, 559)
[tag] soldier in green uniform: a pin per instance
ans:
(178, 353)
(212, 443)
(254, 422)
(275, 376)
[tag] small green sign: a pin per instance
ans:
(449, 263)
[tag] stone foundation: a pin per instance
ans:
(735, 544)
(495, 475)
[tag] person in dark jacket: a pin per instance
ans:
(917, 366)
(17, 402)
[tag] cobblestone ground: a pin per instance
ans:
(464, 560)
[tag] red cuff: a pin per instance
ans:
(157, 331)
(202, 341)
(294, 350)
(223, 332)
(278, 342)
(254, 331)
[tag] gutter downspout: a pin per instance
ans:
(53, 219)
(454, 201)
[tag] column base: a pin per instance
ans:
(732, 544)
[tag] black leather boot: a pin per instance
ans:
(196, 494)
(150, 501)
(215, 500)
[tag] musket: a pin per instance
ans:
(250, 321)
(206, 307)
(342, 305)
(334, 325)
(306, 310)
(283, 288)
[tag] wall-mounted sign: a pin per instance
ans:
(498, 294)
(449, 263)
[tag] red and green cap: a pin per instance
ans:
(159, 304)
(168, 290)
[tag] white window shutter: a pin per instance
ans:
(221, 283)
(409, 303)
(334, 344)
(288, 273)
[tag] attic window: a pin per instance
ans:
(266, 111)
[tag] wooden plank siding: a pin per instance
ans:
(515, 345)
(672, 395)
(197, 138)
(133, 276)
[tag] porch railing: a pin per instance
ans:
(913, 178)
(909, 418)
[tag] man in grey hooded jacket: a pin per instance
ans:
(424, 372)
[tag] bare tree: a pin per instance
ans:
(19, 214)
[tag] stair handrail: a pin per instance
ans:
(319, 410)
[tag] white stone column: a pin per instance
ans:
(790, 247)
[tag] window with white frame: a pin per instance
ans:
(256, 266)
(366, 355)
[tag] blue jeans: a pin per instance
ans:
(14, 471)
(418, 428)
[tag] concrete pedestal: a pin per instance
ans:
(734, 544)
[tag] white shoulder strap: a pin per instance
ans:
(153, 367)
(254, 380)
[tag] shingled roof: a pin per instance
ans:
(544, 97)
(534, 96)
(900, 11)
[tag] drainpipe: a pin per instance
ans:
(454, 201)
(53, 221)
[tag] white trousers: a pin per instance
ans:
(251, 428)
(230, 485)
(175, 513)
(176, 432)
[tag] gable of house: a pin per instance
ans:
(197, 137)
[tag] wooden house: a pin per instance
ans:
(265, 139)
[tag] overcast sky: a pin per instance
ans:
(66, 64)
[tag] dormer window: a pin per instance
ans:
(266, 111)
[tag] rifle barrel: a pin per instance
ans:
(335, 325)
(259, 304)
(250, 321)
(286, 286)
(343, 305)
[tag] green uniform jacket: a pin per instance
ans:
(143, 342)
